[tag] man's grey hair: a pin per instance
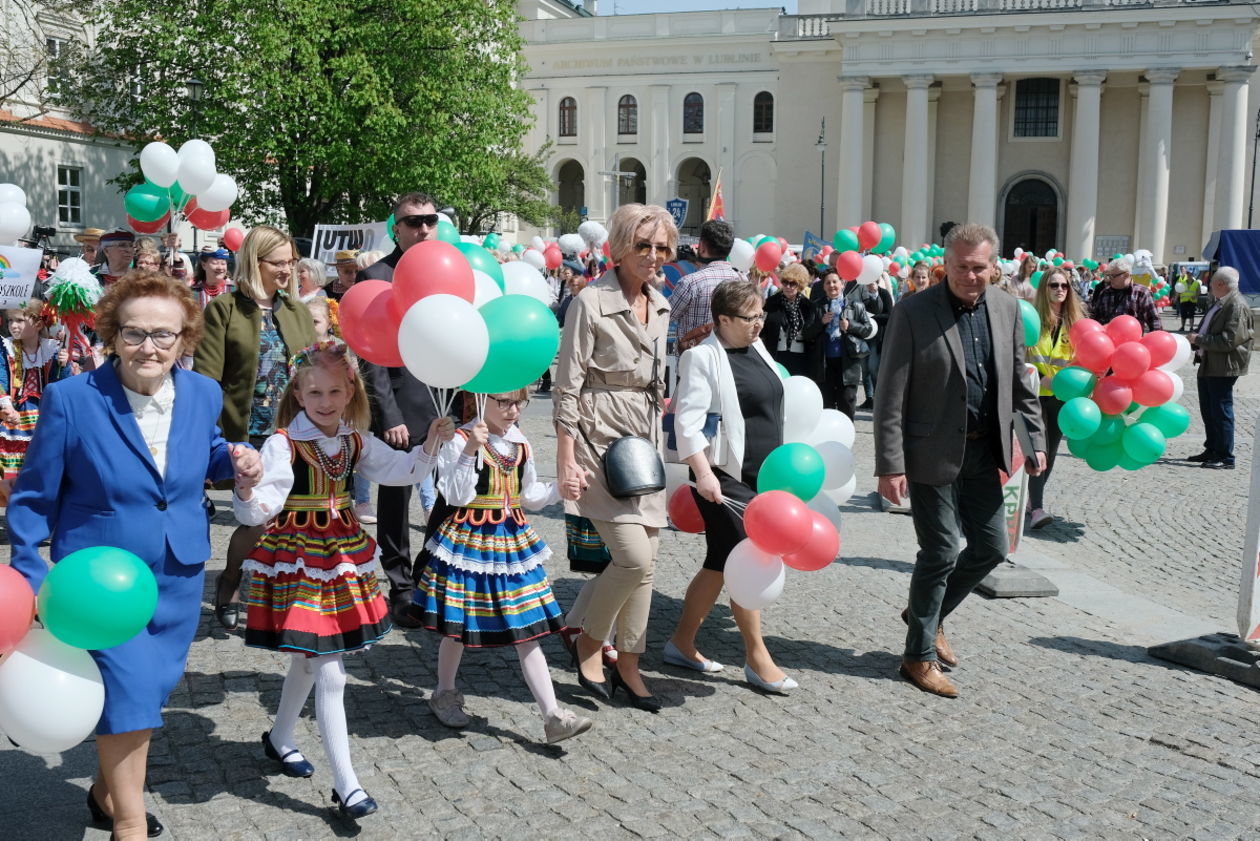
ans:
(1120, 264)
(973, 234)
(1227, 275)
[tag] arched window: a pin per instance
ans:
(568, 117)
(693, 114)
(763, 113)
(627, 115)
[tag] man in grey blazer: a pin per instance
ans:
(949, 391)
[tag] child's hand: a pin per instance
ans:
(442, 429)
(10, 415)
(63, 356)
(248, 467)
(478, 437)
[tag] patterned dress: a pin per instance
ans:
(485, 584)
(23, 378)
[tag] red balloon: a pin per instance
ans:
(849, 265)
(368, 322)
(768, 256)
(232, 239)
(148, 227)
(17, 608)
(1162, 346)
(1114, 396)
(1124, 328)
(1081, 328)
(894, 268)
(1094, 350)
(869, 235)
(1130, 361)
(777, 522)
(553, 257)
(822, 545)
(428, 268)
(683, 511)
(204, 220)
(1154, 388)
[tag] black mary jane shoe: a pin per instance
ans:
(362, 809)
(229, 615)
(647, 703)
(104, 821)
(290, 767)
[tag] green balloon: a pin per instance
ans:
(1117, 256)
(1072, 382)
(448, 233)
(389, 228)
(147, 202)
(1110, 430)
(1080, 447)
(1133, 407)
(1172, 419)
(1035, 280)
(1079, 418)
(518, 248)
(887, 240)
(845, 240)
(1143, 442)
(1032, 322)
(97, 597)
(482, 261)
(524, 338)
(178, 197)
(783, 371)
(491, 241)
(1103, 457)
(1058, 261)
(796, 468)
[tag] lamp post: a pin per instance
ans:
(195, 89)
(1255, 145)
(821, 146)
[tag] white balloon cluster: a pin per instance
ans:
(15, 219)
(194, 167)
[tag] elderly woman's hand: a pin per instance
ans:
(247, 466)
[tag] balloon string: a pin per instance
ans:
(480, 400)
(736, 507)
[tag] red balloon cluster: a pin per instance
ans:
(869, 234)
(1132, 359)
(781, 524)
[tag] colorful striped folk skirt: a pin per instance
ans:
(14, 440)
(485, 584)
(311, 586)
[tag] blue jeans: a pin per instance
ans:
(1216, 405)
(428, 493)
(362, 490)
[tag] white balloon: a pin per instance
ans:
(872, 268)
(219, 195)
(443, 340)
(824, 505)
(675, 477)
(1179, 287)
(51, 695)
(1181, 357)
(1019, 252)
(12, 193)
(838, 460)
(844, 493)
(444, 218)
(532, 258)
(833, 425)
(742, 255)
(1202, 289)
(1179, 386)
(802, 407)
(15, 221)
(196, 166)
(538, 243)
(754, 578)
(485, 289)
(523, 279)
(160, 164)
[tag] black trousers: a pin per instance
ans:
(837, 395)
(393, 534)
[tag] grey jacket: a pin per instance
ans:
(1227, 343)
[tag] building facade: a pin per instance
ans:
(1092, 126)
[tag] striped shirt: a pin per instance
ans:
(691, 305)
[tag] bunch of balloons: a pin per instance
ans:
(15, 219)
(184, 182)
(51, 694)
(455, 318)
(1120, 395)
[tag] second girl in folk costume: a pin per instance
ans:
(31, 361)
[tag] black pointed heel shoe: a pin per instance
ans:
(647, 703)
(598, 688)
(104, 821)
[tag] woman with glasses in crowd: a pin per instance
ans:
(250, 335)
(609, 384)
(1059, 307)
(792, 323)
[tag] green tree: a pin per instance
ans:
(323, 109)
(514, 183)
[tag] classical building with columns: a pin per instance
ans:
(1093, 126)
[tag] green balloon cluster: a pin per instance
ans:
(1032, 322)
(490, 242)
(796, 468)
(1072, 382)
(524, 338)
(97, 597)
(481, 260)
(1116, 443)
(147, 202)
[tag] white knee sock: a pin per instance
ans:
(297, 688)
(537, 676)
(330, 713)
(450, 651)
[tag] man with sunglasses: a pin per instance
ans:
(402, 410)
(1121, 296)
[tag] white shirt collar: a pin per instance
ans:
(302, 428)
(163, 400)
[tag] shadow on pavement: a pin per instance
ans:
(1103, 648)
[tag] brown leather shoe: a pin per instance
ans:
(927, 675)
(944, 651)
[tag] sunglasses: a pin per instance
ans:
(417, 220)
(1057, 285)
(645, 249)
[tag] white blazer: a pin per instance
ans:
(707, 384)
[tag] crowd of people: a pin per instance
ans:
(274, 407)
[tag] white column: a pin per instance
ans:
(1141, 201)
(849, 200)
(982, 187)
(1214, 89)
(1082, 197)
(1231, 173)
(727, 142)
(658, 175)
(914, 211)
(934, 98)
(869, 97)
(1157, 135)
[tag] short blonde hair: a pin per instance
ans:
(626, 221)
(795, 274)
(259, 241)
(367, 258)
(973, 234)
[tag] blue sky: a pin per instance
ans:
(638, 7)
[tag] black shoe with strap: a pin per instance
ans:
(104, 821)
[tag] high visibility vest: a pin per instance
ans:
(1049, 357)
(1192, 290)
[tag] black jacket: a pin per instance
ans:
(776, 322)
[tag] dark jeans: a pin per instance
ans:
(870, 370)
(1050, 407)
(835, 394)
(393, 533)
(972, 508)
(1216, 405)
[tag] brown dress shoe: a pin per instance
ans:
(927, 675)
(944, 652)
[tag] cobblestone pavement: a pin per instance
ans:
(1066, 728)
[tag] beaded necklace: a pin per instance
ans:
(505, 463)
(337, 467)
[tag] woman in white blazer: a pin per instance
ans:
(729, 376)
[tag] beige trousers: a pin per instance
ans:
(621, 595)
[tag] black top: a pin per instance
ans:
(761, 403)
(977, 344)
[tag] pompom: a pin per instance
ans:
(570, 244)
(73, 289)
(593, 233)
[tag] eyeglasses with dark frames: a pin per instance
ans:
(162, 339)
(278, 264)
(508, 405)
(759, 318)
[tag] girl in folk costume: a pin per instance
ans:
(31, 362)
(484, 585)
(311, 582)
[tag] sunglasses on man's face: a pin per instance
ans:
(417, 220)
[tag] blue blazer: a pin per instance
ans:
(89, 479)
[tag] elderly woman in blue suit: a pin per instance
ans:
(119, 458)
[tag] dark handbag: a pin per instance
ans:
(633, 467)
(587, 552)
(712, 432)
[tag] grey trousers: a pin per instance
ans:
(970, 508)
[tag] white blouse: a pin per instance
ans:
(378, 462)
(457, 473)
(153, 415)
